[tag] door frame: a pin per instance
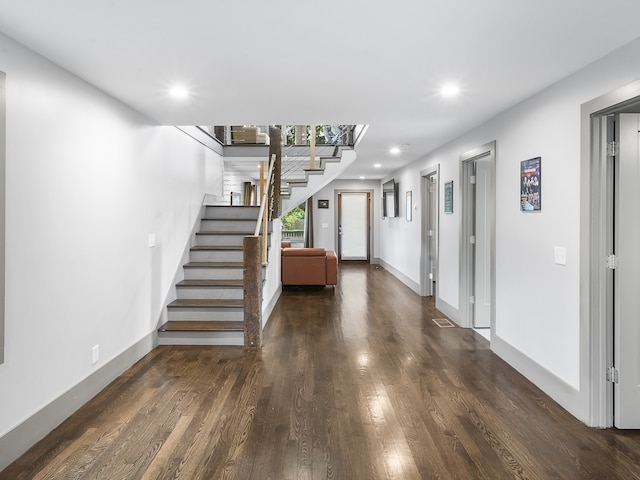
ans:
(336, 199)
(467, 219)
(596, 296)
(425, 264)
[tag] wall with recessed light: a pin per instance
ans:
(88, 181)
(538, 327)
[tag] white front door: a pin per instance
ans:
(626, 323)
(353, 225)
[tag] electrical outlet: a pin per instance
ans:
(95, 354)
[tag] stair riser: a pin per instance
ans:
(211, 293)
(228, 225)
(218, 240)
(220, 212)
(204, 273)
(206, 313)
(216, 256)
(201, 338)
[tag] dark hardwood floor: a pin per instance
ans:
(353, 384)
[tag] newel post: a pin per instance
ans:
(252, 276)
(275, 148)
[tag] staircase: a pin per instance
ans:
(209, 308)
(299, 185)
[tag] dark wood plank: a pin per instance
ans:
(202, 326)
(356, 383)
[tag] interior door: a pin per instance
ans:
(432, 233)
(626, 316)
(482, 250)
(353, 226)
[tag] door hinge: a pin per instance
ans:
(612, 262)
(613, 375)
(472, 179)
(472, 239)
(472, 300)
(612, 148)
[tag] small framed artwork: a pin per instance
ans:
(323, 203)
(409, 206)
(531, 185)
(448, 197)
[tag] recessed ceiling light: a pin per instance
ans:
(361, 177)
(377, 165)
(179, 92)
(450, 90)
(394, 150)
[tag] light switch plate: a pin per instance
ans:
(152, 240)
(560, 255)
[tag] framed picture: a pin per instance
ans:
(448, 197)
(409, 206)
(323, 203)
(531, 185)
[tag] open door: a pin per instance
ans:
(482, 245)
(429, 263)
(477, 237)
(626, 269)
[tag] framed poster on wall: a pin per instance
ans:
(448, 197)
(531, 185)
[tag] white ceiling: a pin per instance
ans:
(325, 62)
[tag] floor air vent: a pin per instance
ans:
(443, 322)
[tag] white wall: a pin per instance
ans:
(538, 323)
(326, 237)
(88, 180)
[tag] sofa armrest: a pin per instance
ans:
(332, 268)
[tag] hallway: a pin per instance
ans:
(353, 384)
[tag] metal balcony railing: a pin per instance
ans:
(344, 135)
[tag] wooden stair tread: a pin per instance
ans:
(225, 232)
(214, 265)
(233, 219)
(217, 247)
(206, 302)
(211, 283)
(201, 326)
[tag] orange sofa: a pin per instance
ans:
(309, 266)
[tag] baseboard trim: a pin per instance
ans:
(268, 308)
(28, 433)
(451, 312)
(569, 398)
(399, 275)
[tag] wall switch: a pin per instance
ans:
(325, 225)
(152, 240)
(95, 354)
(560, 255)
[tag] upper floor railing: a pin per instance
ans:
(299, 135)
